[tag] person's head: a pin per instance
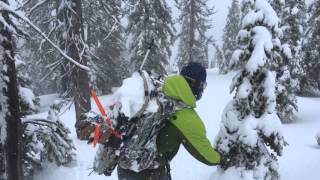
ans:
(196, 75)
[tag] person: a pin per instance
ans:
(185, 127)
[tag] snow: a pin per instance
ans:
(233, 174)
(262, 41)
(287, 50)
(300, 159)
(46, 101)
(269, 92)
(131, 95)
(28, 96)
(236, 55)
(295, 11)
(264, 13)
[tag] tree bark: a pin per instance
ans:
(12, 145)
(80, 79)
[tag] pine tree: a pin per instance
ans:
(310, 81)
(43, 63)
(294, 26)
(220, 58)
(286, 100)
(250, 125)
(195, 23)
(65, 24)
(76, 48)
(105, 37)
(231, 30)
(150, 26)
(10, 122)
(287, 62)
(245, 9)
(278, 6)
(282, 63)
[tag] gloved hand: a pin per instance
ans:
(110, 139)
(114, 142)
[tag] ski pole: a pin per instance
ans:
(147, 54)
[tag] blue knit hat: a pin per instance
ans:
(195, 71)
(196, 76)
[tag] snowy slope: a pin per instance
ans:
(301, 159)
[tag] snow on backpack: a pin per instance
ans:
(140, 115)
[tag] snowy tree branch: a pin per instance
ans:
(5, 7)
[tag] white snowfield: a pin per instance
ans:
(300, 160)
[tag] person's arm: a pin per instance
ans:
(194, 137)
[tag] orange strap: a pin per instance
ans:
(104, 115)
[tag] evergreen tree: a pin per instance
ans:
(286, 100)
(282, 62)
(74, 44)
(310, 81)
(65, 24)
(195, 23)
(231, 30)
(46, 141)
(220, 59)
(151, 27)
(39, 55)
(10, 122)
(250, 125)
(278, 6)
(245, 8)
(294, 26)
(105, 37)
(293, 17)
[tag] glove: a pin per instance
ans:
(110, 139)
(114, 142)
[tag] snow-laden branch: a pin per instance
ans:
(6, 7)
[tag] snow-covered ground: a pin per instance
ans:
(300, 160)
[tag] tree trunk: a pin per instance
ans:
(79, 77)
(12, 144)
(192, 32)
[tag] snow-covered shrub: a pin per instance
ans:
(29, 103)
(44, 141)
(250, 137)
